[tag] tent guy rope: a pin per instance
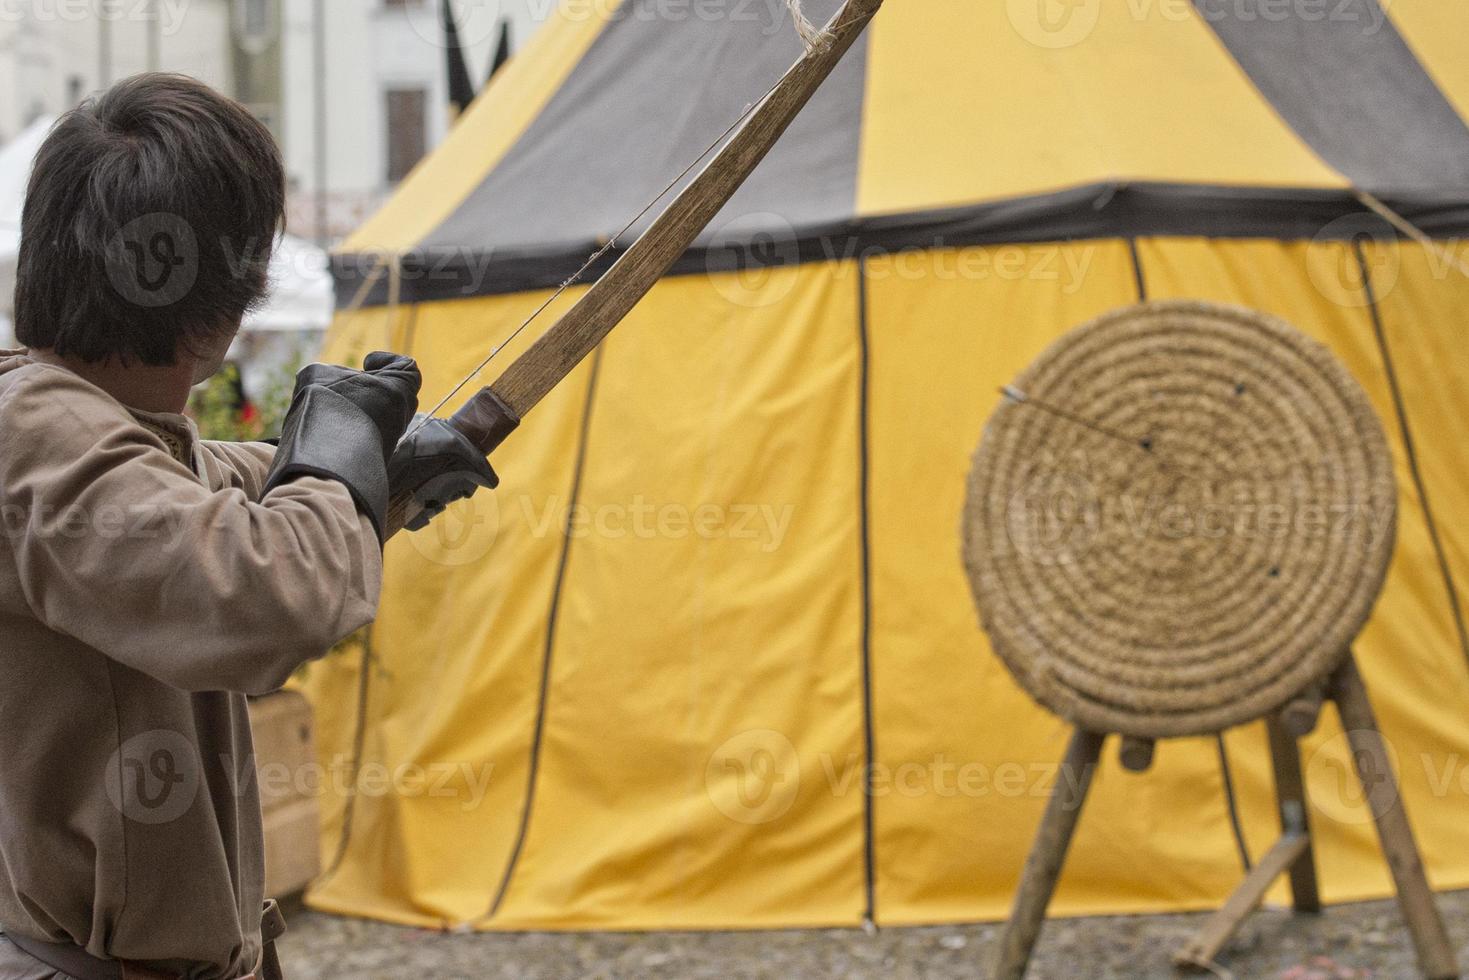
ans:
(1444, 253)
(816, 38)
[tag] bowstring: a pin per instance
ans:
(595, 257)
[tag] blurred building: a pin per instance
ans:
(52, 54)
(356, 91)
(383, 101)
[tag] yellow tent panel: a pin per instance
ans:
(708, 658)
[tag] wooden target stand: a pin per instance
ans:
(1121, 628)
(1291, 855)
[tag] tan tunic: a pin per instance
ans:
(140, 599)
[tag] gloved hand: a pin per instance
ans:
(343, 425)
(438, 466)
(386, 389)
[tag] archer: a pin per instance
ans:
(131, 840)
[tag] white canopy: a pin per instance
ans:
(15, 172)
(300, 289)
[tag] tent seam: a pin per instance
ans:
(543, 698)
(869, 845)
(1405, 431)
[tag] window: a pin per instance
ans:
(407, 110)
(254, 19)
(255, 25)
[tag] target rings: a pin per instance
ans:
(1179, 518)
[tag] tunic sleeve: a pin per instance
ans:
(120, 546)
(244, 464)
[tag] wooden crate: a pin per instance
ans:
(284, 749)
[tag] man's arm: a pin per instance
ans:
(244, 463)
(433, 462)
(120, 546)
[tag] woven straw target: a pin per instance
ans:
(1178, 518)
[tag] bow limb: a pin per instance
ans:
(493, 413)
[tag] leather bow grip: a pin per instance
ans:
(402, 508)
(485, 420)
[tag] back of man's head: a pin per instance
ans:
(148, 223)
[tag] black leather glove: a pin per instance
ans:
(438, 466)
(343, 425)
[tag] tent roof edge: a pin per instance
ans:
(1096, 211)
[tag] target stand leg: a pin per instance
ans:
(1291, 855)
(1290, 800)
(1436, 959)
(1047, 854)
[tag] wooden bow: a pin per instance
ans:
(494, 412)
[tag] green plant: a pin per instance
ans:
(220, 409)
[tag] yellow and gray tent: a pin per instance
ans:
(708, 657)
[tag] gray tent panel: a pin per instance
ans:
(1345, 80)
(664, 79)
(653, 91)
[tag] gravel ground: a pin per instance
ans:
(1348, 942)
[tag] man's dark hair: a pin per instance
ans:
(149, 221)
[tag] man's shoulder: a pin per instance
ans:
(45, 389)
(47, 410)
